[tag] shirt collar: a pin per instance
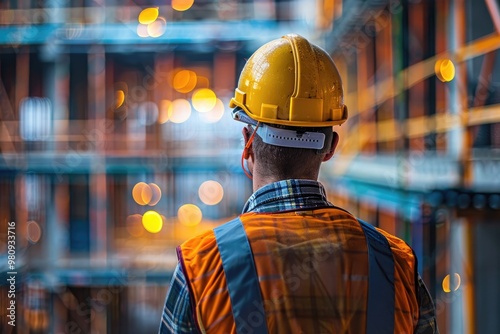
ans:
(285, 195)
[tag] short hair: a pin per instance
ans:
(290, 162)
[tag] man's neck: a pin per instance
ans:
(258, 181)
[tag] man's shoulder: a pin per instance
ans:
(402, 252)
(199, 243)
(203, 238)
(394, 241)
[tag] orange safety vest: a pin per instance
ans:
(317, 271)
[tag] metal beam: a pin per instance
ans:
(495, 13)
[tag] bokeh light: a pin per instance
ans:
(203, 82)
(133, 224)
(34, 232)
(146, 194)
(211, 192)
(184, 81)
(152, 221)
(445, 70)
(164, 219)
(189, 215)
(69, 300)
(119, 98)
(156, 194)
(163, 111)
(204, 99)
(142, 30)
(179, 111)
(38, 320)
(182, 5)
(449, 286)
(148, 15)
(157, 28)
(215, 114)
(147, 112)
(141, 193)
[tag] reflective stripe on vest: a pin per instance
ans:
(244, 290)
(381, 295)
(241, 275)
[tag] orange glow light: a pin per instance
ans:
(203, 82)
(184, 81)
(445, 70)
(456, 284)
(156, 194)
(141, 193)
(120, 98)
(182, 5)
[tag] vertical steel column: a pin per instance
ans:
(56, 88)
(459, 149)
(455, 298)
(430, 94)
(457, 142)
(97, 130)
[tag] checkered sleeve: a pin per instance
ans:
(177, 316)
(427, 320)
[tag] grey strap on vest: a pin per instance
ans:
(241, 276)
(381, 291)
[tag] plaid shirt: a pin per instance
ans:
(279, 196)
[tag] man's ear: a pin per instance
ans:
(335, 141)
(247, 150)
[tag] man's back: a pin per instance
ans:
(313, 272)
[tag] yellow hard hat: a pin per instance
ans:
(291, 82)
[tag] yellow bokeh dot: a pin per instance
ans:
(189, 215)
(182, 5)
(148, 15)
(445, 70)
(184, 81)
(448, 286)
(179, 111)
(204, 99)
(211, 192)
(157, 28)
(152, 221)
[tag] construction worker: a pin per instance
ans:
(292, 262)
